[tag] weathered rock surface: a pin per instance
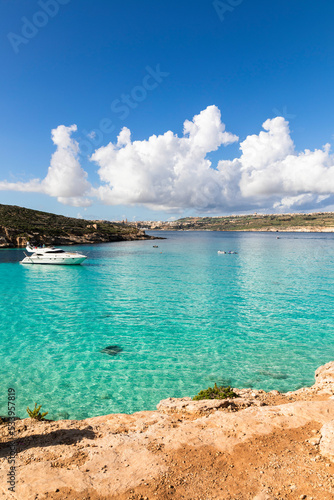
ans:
(204, 405)
(19, 225)
(327, 440)
(277, 451)
(324, 378)
(9, 237)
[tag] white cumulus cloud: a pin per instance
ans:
(65, 179)
(171, 173)
(165, 172)
(274, 174)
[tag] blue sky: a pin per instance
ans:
(234, 62)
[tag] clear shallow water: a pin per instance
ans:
(185, 318)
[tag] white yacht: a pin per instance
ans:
(51, 255)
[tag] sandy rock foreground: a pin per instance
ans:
(260, 446)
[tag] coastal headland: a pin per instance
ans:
(260, 446)
(321, 222)
(19, 225)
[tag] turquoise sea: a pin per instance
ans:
(181, 315)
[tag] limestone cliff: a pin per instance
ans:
(268, 446)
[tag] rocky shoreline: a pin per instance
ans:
(18, 225)
(10, 239)
(261, 446)
(293, 229)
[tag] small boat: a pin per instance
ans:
(232, 252)
(221, 252)
(52, 255)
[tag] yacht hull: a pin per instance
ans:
(66, 261)
(54, 262)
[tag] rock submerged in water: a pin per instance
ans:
(274, 375)
(62, 415)
(112, 350)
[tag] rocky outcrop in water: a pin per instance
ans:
(19, 225)
(10, 239)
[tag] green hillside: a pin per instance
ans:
(18, 225)
(256, 222)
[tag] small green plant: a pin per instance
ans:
(35, 413)
(216, 392)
